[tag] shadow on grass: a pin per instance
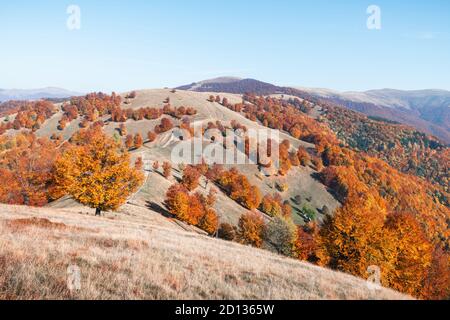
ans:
(157, 208)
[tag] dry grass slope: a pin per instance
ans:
(137, 254)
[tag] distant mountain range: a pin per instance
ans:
(425, 110)
(35, 94)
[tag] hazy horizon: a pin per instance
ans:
(164, 86)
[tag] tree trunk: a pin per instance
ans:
(98, 212)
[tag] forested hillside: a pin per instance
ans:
(350, 193)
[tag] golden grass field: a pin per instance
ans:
(138, 254)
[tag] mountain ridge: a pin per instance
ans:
(36, 94)
(427, 110)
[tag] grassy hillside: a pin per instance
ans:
(138, 254)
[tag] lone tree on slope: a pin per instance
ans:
(96, 173)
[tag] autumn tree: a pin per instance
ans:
(26, 170)
(408, 254)
(209, 222)
(238, 187)
(227, 232)
(303, 156)
(191, 178)
(129, 141)
(96, 173)
(166, 125)
(123, 129)
(306, 244)
(167, 169)
(139, 164)
(177, 201)
(350, 240)
(437, 281)
(193, 209)
(138, 141)
(251, 229)
(280, 235)
(271, 205)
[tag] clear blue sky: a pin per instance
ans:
(156, 43)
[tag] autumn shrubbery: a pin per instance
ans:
(191, 178)
(32, 115)
(278, 234)
(251, 229)
(237, 186)
(227, 232)
(274, 206)
(26, 166)
(194, 209)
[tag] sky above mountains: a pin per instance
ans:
(143, 44)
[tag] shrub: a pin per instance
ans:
(129, 141)
(209, 222)
(167, 169)
(138, 141)
(193, 209)
(280, 236)
(227, 232)
(282, 187)
(191, 177)
(139, 164)
(251, 229)
(309, 212)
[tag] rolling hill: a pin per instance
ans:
(367, 127)
(301, 180)
(321, 177)
(426, 110)
(138, 254)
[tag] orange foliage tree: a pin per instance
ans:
(251, 229)
(26, 170)
(138, 141)
(239, 188)
(129, 142)
(167, 169)
(408, 254)
(139, 164)
(194, 209)
(96, 173)
(350, 241)
(274, 206)
(191, 177)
